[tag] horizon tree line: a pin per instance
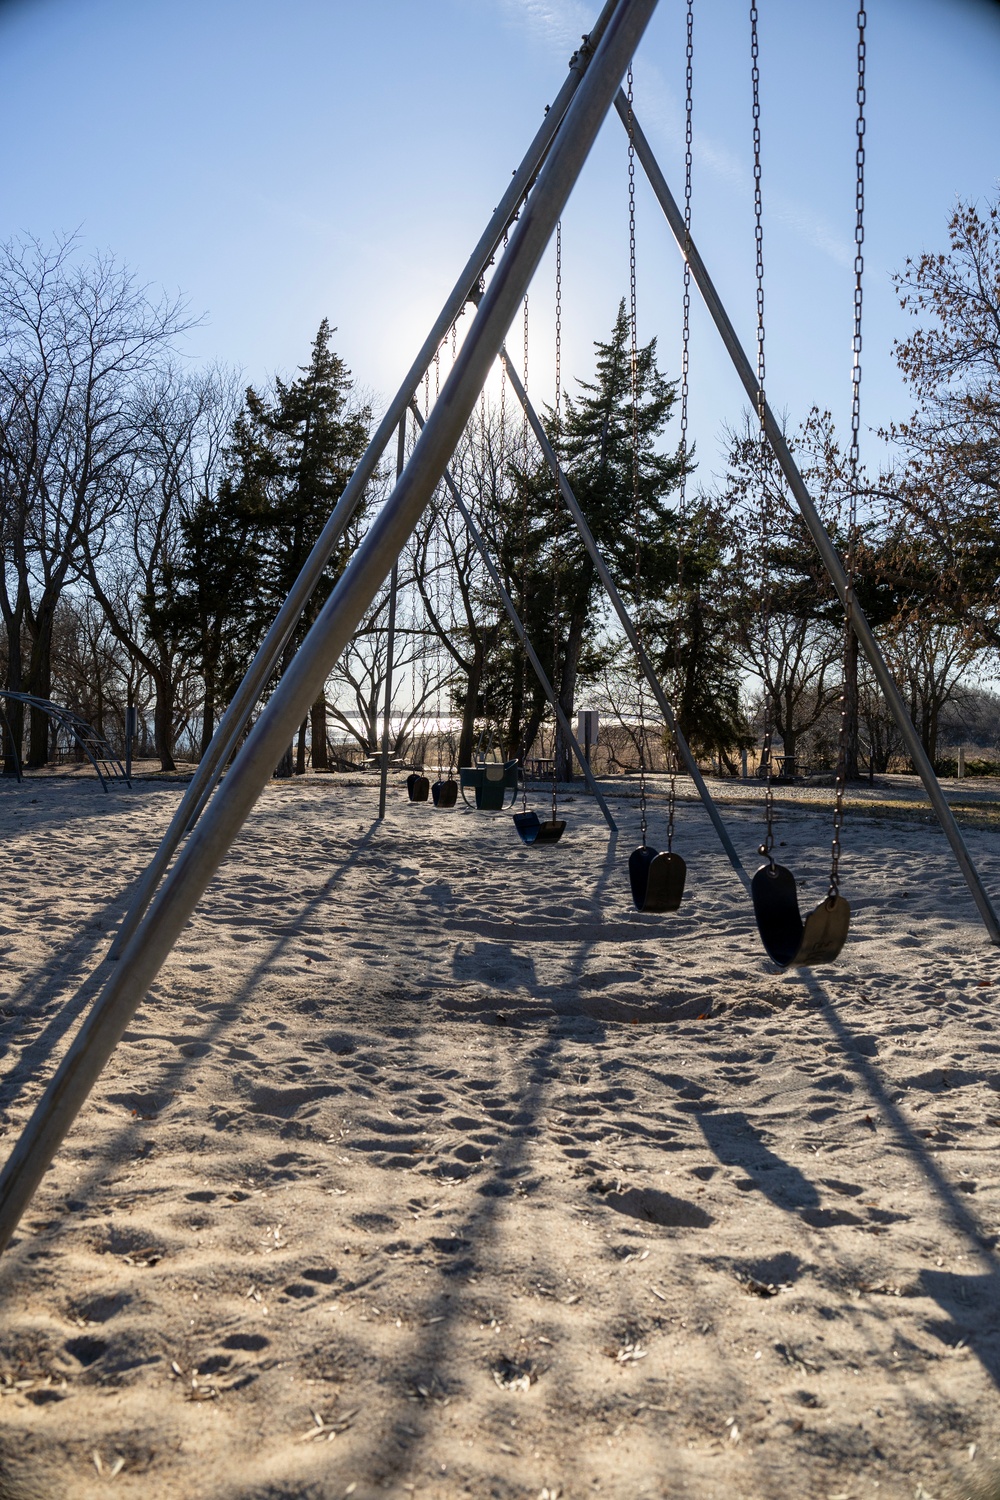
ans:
(153, 518)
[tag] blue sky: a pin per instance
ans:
(322, 157)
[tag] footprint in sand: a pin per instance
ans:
(86, 1349)
(249, 1343)
(655, 1207)
(374, 1223)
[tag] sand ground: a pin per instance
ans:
(431, 1168)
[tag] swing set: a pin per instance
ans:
(657, 878)
(526, 217)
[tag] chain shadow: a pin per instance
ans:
(175, 1067)
(736, 1142)
(407, 1429)
(970, 1302)
(66, 965)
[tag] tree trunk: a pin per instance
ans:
(40, 683)
(514, 737)
(163, 721)
(567, 695)
(300, 749)
(533, 723)
(286, 765)
(13, 741)
(320, 756)
(931, 739)
(470, 712)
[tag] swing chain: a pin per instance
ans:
(758, 208)
(555, 650)
(524, 558)
(767, 847)
(685, 371)
(558, 404)
(558, 411)
(853, 456)
(634, 371)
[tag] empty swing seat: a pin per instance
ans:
(536, 830)
(787, 939)
(657, 879)
(445, 793)
(417, 787)
(490, 782)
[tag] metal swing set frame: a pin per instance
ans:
(535, 198)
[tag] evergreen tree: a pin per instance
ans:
(289, 458)
(622, 480)
(294, 453)
(212, 588)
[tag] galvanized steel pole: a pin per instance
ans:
(384, 767)
(574, 508)
(522, 635)
(211, 840)
(393, 585)
(233, 722)
(811, 516)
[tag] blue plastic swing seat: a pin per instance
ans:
(534, 830)
(491, 782)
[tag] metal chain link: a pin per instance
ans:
(853, 454)
(757, 207)
(556, 511)
(767, 847)
(558, 410)
(558, 405)
(634, 372)
(685, 371)
(503, 383)
(524, 552)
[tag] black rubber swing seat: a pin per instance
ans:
(417, 787)
(535, 830)
(445, 793)
(789, 940)
(657, 879)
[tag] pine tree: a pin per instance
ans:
(213, 585)
(622, 480)
(296, 452)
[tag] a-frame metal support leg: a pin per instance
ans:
(573, 506)
(210, 841)
(819, 533)
(522, 636)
